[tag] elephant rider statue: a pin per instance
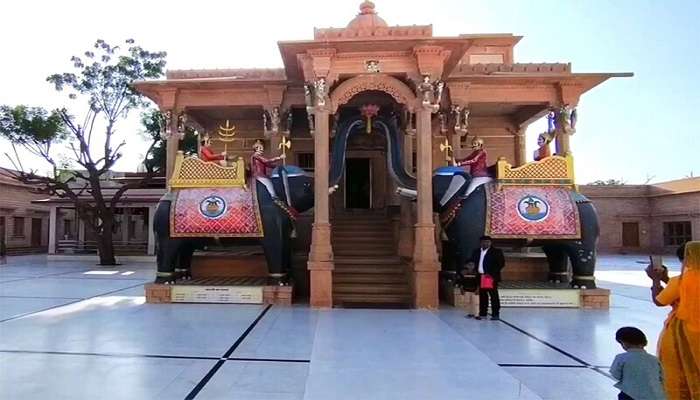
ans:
(260, 166)
(477, 165)
(207, 154)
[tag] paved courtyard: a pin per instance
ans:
(70, 330)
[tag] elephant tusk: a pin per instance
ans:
(412, 194)
(332, 189)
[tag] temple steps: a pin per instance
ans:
(368, 273)
(363, 300)
(377, 252)
(347, 277)
(367, 260)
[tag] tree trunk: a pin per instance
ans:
(105, 243)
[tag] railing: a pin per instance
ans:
(553, 170)
(90, 247)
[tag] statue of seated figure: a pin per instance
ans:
(207, 154)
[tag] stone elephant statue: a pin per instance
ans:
(468, 218)
(174, 254)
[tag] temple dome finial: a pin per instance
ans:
(367, 7)
(367, 18)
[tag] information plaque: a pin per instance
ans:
(540, 298)
(217, 294)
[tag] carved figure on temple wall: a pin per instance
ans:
(271, 121)
(372, 66)
(167, 123)
(443, 122)
(320, 91)
(266, 122)
(461, 116)
(437, 95)
(181, 123)
(426, 89)
(308, 97)
(275, 119)
(290, 119)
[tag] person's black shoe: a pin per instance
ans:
(495, 318)
(480, 317)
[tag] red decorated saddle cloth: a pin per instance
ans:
(532, 212)
(215, 212)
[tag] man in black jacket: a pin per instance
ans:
(488, 261)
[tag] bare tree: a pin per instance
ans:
(103, 80)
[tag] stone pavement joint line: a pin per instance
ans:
(72, 302)
(583, 363)
(225, 357)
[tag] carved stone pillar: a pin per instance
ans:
(561, 144)
(321, 255)
(53, 211)
(568, 95)
(405, 246)
(520, 141)
(425, 261)
(151, 248)
(172, 146)
(408, 153)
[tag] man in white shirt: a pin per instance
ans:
(489, 262)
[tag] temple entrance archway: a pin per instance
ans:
(358, 183)
(380, 145)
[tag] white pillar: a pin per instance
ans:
(52, 230)
(151, 248)
(126, 222)
(81, 232)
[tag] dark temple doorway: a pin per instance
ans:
(358, 183)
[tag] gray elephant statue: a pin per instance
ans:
(465, 220)
(293, 188)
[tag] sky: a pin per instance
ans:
(632, 129)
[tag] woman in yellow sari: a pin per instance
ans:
(679, 341)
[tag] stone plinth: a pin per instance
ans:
(278, 295)
(595, 299)
(228, 264)
(531, 267)
(157, 293)
(223, 290)
(468, 301)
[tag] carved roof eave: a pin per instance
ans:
(152, 89)
(457, 46)
(163, 92)
(587, 81)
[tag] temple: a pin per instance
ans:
(420, 101)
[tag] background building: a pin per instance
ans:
(24, 226)
(647, 218)
(132, 233)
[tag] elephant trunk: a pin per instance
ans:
(409, 193)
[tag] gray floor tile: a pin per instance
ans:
(257, 380)
(284, 333)
(61, 287)
(46, 376)
(566, 383)
(368, 354)
(124, 324)
(11, 307)
(501, 343)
